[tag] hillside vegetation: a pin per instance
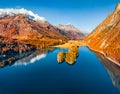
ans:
(70, 56)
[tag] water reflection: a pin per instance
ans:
(25, 58)
(112, 69)
(30, 59)
(70, 56)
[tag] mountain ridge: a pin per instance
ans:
(12, 11)
(19, 25)
(70, 31)
(105, 37)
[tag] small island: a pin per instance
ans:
(70, 56)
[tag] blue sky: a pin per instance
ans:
(84, 14)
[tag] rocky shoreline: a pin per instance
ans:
(115, 62)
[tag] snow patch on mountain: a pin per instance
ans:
(30, 14)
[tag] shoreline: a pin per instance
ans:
(115, 62)
(68, 47)
(71, 43)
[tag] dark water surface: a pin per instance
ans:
(41, 74)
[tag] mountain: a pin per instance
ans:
(23, 23)
(28, 27)
(19, 26)
(105, 38)
(22, 32)
(30, 14)
(70, 31)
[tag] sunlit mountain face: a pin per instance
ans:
(71, 31)
(24, 24)
(105, 37)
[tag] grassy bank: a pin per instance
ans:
(71, 43)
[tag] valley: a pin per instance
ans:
(60, 47)
(22, 31)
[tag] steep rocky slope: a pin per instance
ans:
(106, 37)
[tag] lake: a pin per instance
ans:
(40, 73)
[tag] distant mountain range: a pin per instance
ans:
(24, 24)
(105, 38)
(70, 31)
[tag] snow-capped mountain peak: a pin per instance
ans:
(30, 14)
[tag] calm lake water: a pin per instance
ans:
(40, 73)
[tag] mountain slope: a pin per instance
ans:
(70, 31)
(106, 37)
(20, 26)
(28, 28)
(22, 32)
